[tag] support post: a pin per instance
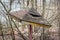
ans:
(30, 32)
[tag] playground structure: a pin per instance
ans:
(32, 17)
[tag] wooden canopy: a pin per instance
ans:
(30, 15)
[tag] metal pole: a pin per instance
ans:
(30, 32)
(43, 33)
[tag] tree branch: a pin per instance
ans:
(3, 6)
(19, 31)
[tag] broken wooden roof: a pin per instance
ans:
(30, 15)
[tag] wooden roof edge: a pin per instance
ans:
(28, 21)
